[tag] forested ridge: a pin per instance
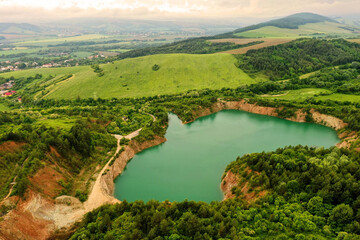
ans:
(299, 57)
(191, 46)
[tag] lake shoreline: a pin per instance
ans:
(134, 147)
(300, 116)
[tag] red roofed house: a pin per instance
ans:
(9, 93)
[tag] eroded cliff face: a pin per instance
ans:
(107, 180)
(229, 181)
(232, 181)
(300, 115)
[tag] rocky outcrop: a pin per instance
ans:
(228, 182)
(232, 181)
(327, 120)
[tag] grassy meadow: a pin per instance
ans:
(136, 77)
(340, 97)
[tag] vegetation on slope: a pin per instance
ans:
(75, 147)
(193, 46)
(298, 57)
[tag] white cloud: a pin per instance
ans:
(172, 8)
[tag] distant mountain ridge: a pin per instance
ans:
(18, 28)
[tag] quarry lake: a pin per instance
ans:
(192, 161)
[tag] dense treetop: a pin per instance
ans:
(299, 57)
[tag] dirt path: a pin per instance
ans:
(13, 184)
(10, 190)
(153, 117)
(57, 85)
(97, 197)
(277, 95)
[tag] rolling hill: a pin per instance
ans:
(136, 77)
(290, 22)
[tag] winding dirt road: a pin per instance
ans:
(97, 196)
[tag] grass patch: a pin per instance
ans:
(58, 123)
(298, 95)
(340, 97)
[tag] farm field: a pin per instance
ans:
(307, 30)
(136, 78)
(267, 42)
(64, 39)
(354, 40)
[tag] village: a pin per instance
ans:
(8, 66)
(5, 90)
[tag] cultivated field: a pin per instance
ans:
(307, 30)
(267, 43)
(298, 95)
(136, 78)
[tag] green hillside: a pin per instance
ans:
(137, 78)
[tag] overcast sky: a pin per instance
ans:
(21, 10)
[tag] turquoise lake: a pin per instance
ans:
(190, 164)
